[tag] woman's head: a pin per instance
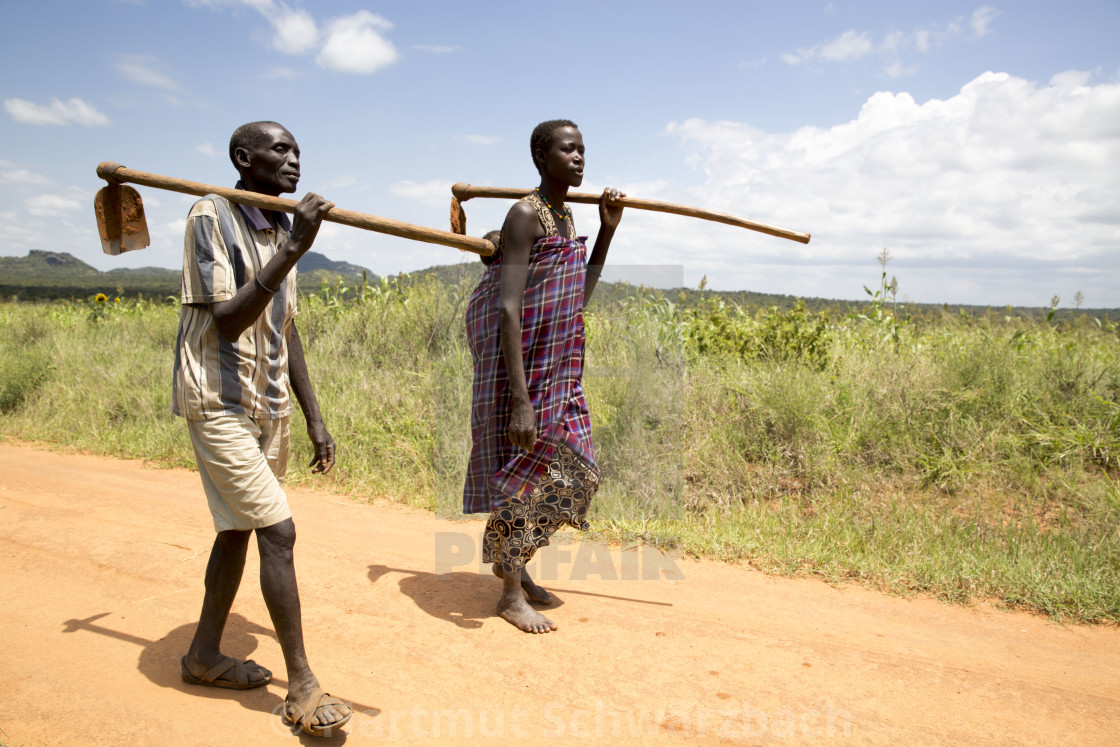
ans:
(544, 137)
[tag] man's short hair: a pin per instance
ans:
(247, 136)
(544, 134)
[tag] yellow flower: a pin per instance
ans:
(100, 298)
(117, 299)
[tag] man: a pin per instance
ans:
(237, 352)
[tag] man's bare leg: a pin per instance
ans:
(223, 578)
(536, 594)
(281, 595)
(515, 610)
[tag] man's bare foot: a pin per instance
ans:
(536, 594)
(332, 712)
(516, 611)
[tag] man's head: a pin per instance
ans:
(543, 135)
(266, 156)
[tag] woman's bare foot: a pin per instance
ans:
(536, 594)
(516, 611)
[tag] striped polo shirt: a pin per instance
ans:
(224, 248)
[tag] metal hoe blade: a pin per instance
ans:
(120, 219)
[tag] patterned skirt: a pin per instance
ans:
(562, 496)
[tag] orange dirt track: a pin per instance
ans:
(101, 582)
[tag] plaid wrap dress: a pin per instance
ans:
(552, 342)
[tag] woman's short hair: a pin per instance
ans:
(544, 134)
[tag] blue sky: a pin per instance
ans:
(978, 142)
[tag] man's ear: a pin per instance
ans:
(241, 158)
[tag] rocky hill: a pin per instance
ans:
(46, 275)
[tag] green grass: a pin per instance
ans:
(966, 457)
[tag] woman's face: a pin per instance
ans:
(564, 160)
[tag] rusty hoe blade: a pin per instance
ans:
(458, 217)
(120, 219)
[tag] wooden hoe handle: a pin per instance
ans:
(114, 172)
(464, 192)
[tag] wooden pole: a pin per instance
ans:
(113, 172)
(464, 192)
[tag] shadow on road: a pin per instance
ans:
(159, 662)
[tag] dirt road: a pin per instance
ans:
(101, 565)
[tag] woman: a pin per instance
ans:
(532, 465)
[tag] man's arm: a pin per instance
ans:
(301, 386)
(234, 316)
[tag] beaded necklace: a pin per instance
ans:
(558, 213)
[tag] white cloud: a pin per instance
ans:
(57, 112)
(436, 48)
(435, 192)
(480, 139)
(848, 46)
(981, 19)
(23, 177)
(141, 70)
(296, 31)
(854, 45)
(354, 44)
(1070, 79)
(50, 205)
(206, 149)
(897, 70)
(999, 194)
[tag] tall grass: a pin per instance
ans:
(956, 455)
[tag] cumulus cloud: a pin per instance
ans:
(206, 149)
(50, 205)
(853, 45)
(354, 44)
(434, 192)
(296, 31)
(999, 194)
(57, 112)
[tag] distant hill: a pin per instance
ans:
(39, 265)
(314, 268)
(313, 261)
(471, 272)
(47, 275)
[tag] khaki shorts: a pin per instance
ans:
(242, 462)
